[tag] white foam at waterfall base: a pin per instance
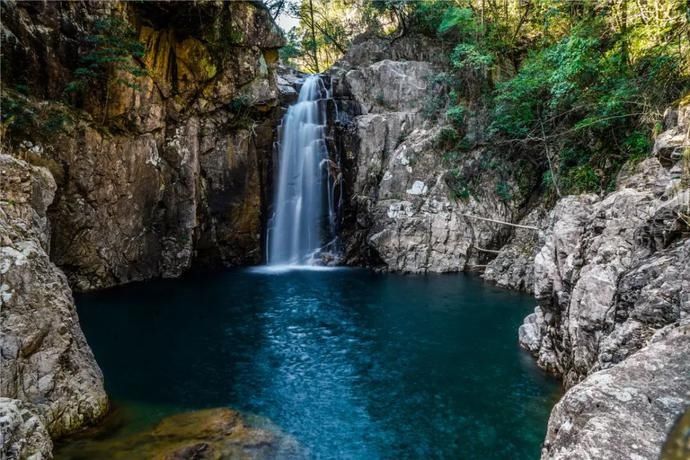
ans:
(280, 269)
(302, 205)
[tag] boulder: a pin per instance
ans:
(626, 411)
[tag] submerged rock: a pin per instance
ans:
(218, 433)
(677, 446)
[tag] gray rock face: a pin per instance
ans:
(369, 48)
(390, 86)
(613, 283)
(46, 361)
(670, 144)
(401, 214)
(513, 267)
(626, 411)
(178, 175)
(23, 434)
(597, 256)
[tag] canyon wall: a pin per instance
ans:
(157, 172)
(49, 380)
(612, 281)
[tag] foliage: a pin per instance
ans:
(458, 185)
(17, 112)
(325, 31)
(290, 53)
(446, 138)
(113, 45)
(504, 191)
(573, 89)
(588, 83)
(456, 115)
(24, 117)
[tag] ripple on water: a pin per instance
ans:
(352, 364)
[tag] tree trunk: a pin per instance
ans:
(313, 36)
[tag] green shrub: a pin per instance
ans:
(504, 191)
(582, 179)
(447, 138)
(456, 116)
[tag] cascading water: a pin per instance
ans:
(302, 229)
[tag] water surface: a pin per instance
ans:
(353, 364)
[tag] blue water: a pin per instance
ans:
(353, 364)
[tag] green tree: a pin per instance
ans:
(113, 49)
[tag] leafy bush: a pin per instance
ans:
(114, 45)
(582, 179)
(504, 191)
(586, 88)
(458, 185)
(456, 115)
(446, 138)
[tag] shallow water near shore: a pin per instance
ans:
(352, 364)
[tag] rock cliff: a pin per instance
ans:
(168, 169)
(401, 214)
(627, 410)
(49, 380)
(611, 276)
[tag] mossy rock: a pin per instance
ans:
(677, 445)
(213, 434)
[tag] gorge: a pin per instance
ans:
(142, 210)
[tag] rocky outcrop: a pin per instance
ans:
(612, 281)
(400, 213)
(626, 411)
(602, 285)
(46, 362)
(177, 173)
(513, 267)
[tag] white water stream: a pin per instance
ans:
(304, 211)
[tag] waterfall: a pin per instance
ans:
(302, 228)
